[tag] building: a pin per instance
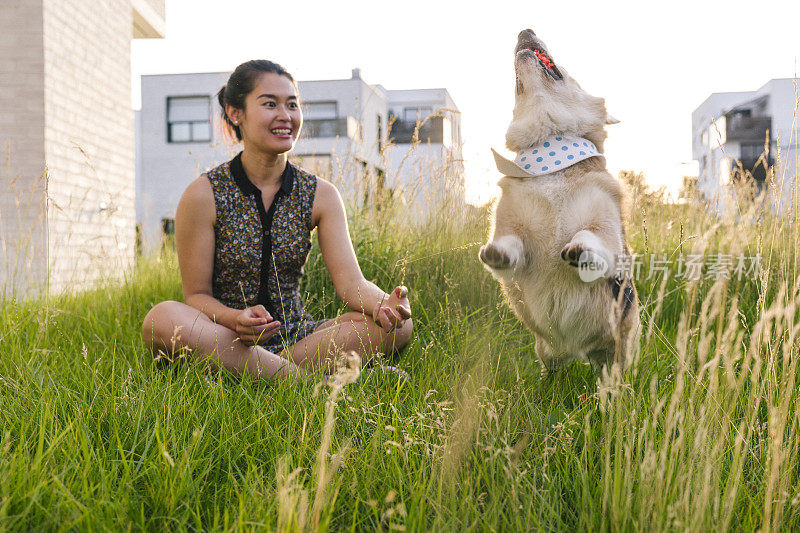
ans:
(369, 141)
(67, 132)
(425, 149)
(344, 133)
(746, 133)
(177, 138)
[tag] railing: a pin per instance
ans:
(747, 129)
(431, 130)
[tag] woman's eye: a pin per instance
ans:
(292, 105)
(269, 104)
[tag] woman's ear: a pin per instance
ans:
(234, 114)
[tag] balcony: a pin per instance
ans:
(432, 130)
(330, 127)
(746, 129)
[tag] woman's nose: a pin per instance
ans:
(283, 112)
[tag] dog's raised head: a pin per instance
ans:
(549, 102)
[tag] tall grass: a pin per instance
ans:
(701, 433)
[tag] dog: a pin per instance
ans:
(558, 245)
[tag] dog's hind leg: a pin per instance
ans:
(544, 352)
(600, 357)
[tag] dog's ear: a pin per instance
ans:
(611, 120)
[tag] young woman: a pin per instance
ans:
(243, 233)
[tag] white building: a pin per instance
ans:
(67, 132)
(428, 168)
(177, 138)
(753, 129)
(343, 133)
(360, 136)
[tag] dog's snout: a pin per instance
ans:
(527, 40)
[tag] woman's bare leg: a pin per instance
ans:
(172, 326)
(350, 332)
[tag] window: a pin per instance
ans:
(188, 119)
(717, 132)
(447, 133)
(167, 227)
(751, 152)
(725, 171)
(414, 114)
(319, 110)
(380, 133)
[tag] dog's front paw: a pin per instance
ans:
(571, 253)
(590, 264)
(495, 257)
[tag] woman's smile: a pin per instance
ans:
(282, 133)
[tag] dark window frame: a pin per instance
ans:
(748, 151)
(419, 113)
(380, 132)
(167, 227)
(307, 104)
(191, 138)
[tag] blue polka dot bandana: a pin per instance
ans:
(556, 153)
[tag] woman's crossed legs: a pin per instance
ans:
(171, 327)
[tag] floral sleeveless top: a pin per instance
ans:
(259, 252)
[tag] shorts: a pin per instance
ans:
(292, 335)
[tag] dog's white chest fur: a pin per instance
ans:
(570, 314)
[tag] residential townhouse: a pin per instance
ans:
(369, 141)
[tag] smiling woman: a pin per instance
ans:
(243, 85)
(243, 234)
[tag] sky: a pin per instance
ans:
(653, 62)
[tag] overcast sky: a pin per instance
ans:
(653, 62)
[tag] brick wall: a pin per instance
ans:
(88, 140)
(23, 259)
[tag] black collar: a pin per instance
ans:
(247, 186)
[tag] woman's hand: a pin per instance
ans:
(255, 326)
(391, 312)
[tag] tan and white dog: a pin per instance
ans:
(558, 245)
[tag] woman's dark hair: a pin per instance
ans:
(239, 86)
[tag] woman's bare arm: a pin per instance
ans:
(194, 239)
(358, 293)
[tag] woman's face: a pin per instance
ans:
(271, 119)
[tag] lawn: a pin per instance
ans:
(701, 433)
